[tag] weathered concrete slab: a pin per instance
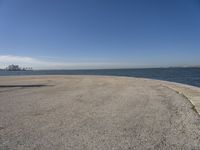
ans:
(90, 112)
(190, 92)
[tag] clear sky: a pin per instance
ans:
(71, 34)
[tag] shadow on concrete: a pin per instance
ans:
(23, 86)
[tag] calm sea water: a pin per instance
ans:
(189, 76)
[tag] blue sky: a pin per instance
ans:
(73, 34)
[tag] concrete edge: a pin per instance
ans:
(192, 94)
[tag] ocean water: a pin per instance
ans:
(190, 76)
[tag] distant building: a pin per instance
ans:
(13, 68)
(16, 68)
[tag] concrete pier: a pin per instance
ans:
(97, 112)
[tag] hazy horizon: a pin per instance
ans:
(106, 34)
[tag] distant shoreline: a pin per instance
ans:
(189, 76)
(198, 67)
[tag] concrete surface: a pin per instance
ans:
(190, 92)
(96, 112)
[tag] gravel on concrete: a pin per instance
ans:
(95, 113)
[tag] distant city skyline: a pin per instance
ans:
(99, 34)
